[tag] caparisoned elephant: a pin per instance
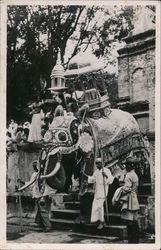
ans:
(79, 143)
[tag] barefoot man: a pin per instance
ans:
(97, 214)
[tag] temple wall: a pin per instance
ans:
(136, 83)
(123, 77)
(136, 78)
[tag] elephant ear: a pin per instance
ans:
(57, 181)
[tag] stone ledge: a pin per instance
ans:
(134, 107)
(137, 49)
(25, 223)
(140, 35)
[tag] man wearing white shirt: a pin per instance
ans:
(13, 129)
(102, 178)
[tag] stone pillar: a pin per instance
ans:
(150, 69)
(151, 214)
(123, 77)
(151, 137)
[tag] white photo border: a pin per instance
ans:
(3, 52)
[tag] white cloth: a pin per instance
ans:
(99, 196)
(35, 129)
(97, 210)
(13, 129)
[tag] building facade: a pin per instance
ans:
(136, 76)
(136, 79)
(136, 87)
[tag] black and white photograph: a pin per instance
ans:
(80, 113)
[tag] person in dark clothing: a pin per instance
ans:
(25, 135)
(131, 207)
(42, 214)
(112, 188)
(42, 199)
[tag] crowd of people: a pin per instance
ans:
(17, 133)
(42, 113)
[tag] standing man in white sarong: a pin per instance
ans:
(37, 116)
(101, 192)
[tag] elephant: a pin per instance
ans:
(78, 143)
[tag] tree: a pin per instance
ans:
(17, 69)
(117, 25)
(34, 34)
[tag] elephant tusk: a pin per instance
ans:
(55, 170)
(29, 183)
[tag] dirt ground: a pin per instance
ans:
(14, 235)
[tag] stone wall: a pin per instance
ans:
(151, 214)
(150, 71)
(123, 77)
(136, 80)
(136, 94)
(136, 72)
(19, 165)
(152, 157)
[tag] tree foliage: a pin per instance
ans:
(34, 34)
(117, 25)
